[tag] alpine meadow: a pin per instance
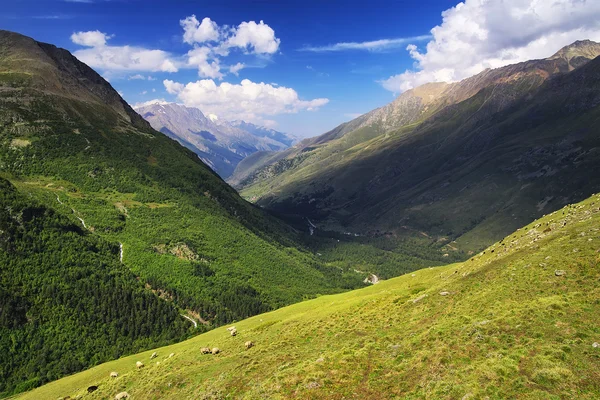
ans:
(222, 201)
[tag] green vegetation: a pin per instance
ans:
(518, 320)
(72, 147)
(66, 302)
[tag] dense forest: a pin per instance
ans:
(66, 302)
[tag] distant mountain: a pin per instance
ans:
(261, 131)
(220, 144)
(110, 230)
(469, 161)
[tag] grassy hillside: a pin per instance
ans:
(66, 302)
(518, 320)
(70, 144)
(470, 161)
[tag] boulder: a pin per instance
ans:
(215, 350)
(122, 395)
(114, 374)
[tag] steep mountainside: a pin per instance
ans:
(516, 321)
(70, 143)
(469, 161)
(66, 302)
(219, 144)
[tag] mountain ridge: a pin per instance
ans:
(351, 176)
(219, 143)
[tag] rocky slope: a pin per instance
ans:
(220, 144)
(470, 160)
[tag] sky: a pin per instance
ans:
(302, 67)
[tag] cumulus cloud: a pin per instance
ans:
(209, 41)
(90, 38)
(249, 101)
(199, 32)
(235, 69)
(374, 45)
(119, 58)
(479, 34)
(258, 38)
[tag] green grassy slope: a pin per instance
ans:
(66, 302)
(70, 143)
(518, 320)
(523, 145)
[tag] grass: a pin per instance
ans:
(507, 327)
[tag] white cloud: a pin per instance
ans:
(210, 43)
(259, 37)
(374, 45)
(235, 69)
(126, 58)
(480, 34)
(150, 78)
(199, 32)
(119, 58)
(144, 92)
(90, 38)
(137, 77)
(201, 57)
(249, 101)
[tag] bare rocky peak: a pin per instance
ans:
(56, 71)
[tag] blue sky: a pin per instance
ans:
(298, 75)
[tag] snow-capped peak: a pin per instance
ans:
(213, 117)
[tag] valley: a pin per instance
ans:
(174, 223)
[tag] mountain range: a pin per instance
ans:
(468, 161)
(219, 143)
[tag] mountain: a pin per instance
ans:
(261, 131)
(467, 161)
(134, 210)
(220, 144)
(66, 302)
(516, 321)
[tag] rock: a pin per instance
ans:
(205, 350)
(154, 355)
(418, 299)
(233, 332)
(139, 365)
(122, 395)
(215, 350)
(560, 272)
(248, 344)
(320, 360)
(595, 345)
(171, 355)
(444, 293)
(313, 385)
(114, 374)
(231, 328)
(91, 389)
